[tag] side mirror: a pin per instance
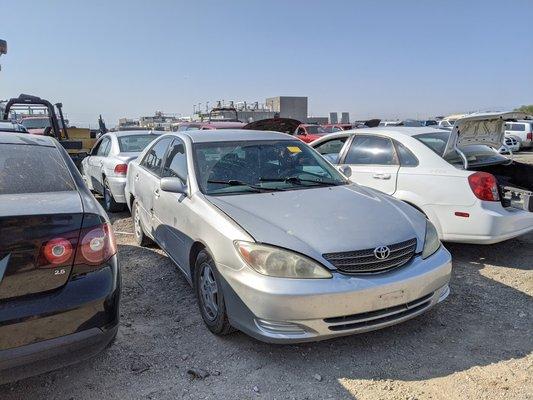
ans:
(345, 170)
(173, 185)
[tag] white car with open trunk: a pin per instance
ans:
(456, 178)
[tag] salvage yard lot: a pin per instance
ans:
(477, 344)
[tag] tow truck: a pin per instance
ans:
(77, 141)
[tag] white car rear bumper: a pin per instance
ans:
(487, 223)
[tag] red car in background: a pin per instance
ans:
(36, 125)
(208, 125)
(330, 128)
(309, 132)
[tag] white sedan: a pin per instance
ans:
(471, 193)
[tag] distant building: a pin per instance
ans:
(345, 118)
(289, 107)
(333, 118)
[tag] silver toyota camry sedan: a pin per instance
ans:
(278, 243)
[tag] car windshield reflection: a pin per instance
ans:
(261, 166)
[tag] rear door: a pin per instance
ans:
(40, 220)
(96, 162)
(373, 161)
(146, 180)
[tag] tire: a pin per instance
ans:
(110, 204)
(209, 295)
(138, 230)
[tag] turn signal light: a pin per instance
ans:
(484, 186)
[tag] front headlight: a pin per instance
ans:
(431, 242)
(274, 261)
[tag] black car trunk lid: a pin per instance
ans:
(25, 266)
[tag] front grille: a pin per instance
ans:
(374, 318)
(364, 261)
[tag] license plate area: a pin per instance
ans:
(517, 198)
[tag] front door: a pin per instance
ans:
(171, 208)
(373, 161)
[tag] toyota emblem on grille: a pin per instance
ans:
(382, 252)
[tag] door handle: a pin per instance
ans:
(381, 176)
(136, 177)
(156, 193)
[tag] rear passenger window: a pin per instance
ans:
(103, 149)
(33, 169)
(516, 127)
(407, 158)
(154, 157)
(371, 150)
(176, 162)
(331, 148)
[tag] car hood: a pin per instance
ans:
(480, 129)
(324, 220)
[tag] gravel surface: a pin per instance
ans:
(476, 345)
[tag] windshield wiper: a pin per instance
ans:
(299, 181)
(235, 182)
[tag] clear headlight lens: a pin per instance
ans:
(431, 242)
(274, 261)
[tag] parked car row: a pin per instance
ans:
(458, 181)
(285, 241)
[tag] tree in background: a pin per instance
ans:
(526, 109)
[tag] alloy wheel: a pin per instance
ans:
(208, 292)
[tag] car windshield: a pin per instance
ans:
(36, 123)
(261, 166)
(475, 154)
(315, 130)
(134, 143)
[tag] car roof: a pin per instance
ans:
(398, 130)
(25, 138)
(233, 135)
(136, 132)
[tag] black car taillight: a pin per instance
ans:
(93, 245)
(96, 245)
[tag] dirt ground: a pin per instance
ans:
(476, 345)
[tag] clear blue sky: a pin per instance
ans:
(371, 58)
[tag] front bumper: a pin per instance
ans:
(299, 310)
(48, 331)
(116, 186)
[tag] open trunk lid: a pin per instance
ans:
(480, 129)
(28, 222)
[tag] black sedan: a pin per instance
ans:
(59, 274)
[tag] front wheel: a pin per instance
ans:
(210, 296)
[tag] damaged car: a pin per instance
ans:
(232, 212)
(457, 178)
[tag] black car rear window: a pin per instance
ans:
(33, 169)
